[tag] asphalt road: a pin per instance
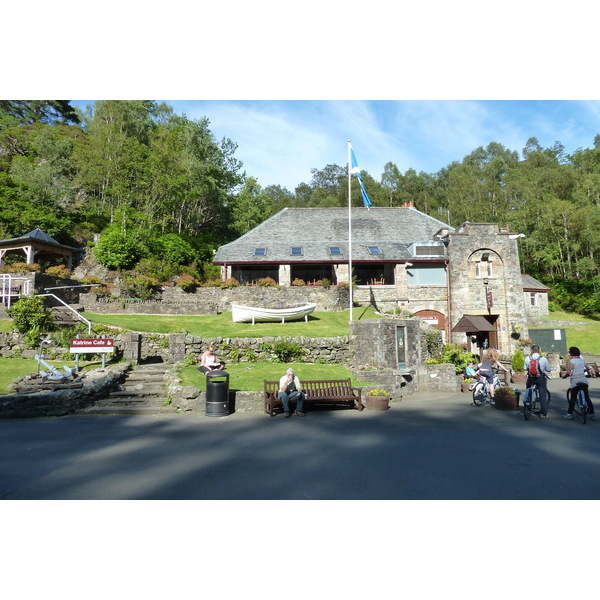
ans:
(427, 447)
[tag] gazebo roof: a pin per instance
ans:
(35, 236)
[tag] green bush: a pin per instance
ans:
(141, 286)
(31, 319)
(518, 362)
(286, 351)
(454, 354)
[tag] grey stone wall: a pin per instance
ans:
(210, 300)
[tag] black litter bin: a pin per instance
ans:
(217, 394)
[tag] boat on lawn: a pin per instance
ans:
(253, 314)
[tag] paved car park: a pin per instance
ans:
(426, 447)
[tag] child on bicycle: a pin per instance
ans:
(577, 371)
(490, 357)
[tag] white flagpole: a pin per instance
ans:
(350, 226)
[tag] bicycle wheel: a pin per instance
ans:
(527, 404)
(479, 395)
(583, 404)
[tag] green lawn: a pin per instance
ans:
(13, 368)
(320, 324)
(252, 379)
(585, 337)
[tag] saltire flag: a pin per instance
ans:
(354, 170)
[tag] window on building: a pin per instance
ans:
(484, 269)
(297, 251)
(260, 251)
(426, 275)
(334, 250)
(429, 249)
(533, 299)
(374, 250)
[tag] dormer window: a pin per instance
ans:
(260, 251)
(374, 250)
(297, 251)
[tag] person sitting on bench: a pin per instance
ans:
(291, 389)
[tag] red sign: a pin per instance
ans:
(489, 299)
(92, 345)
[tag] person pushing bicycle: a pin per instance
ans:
(537, 366)
(577, 371)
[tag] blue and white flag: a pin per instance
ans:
(354, 170)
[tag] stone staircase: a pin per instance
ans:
(63, 316)
(142, 393)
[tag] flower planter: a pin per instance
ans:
(518, 378)
(379, 403)
(465, 386)
(506, 402)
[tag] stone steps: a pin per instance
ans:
(142, 393)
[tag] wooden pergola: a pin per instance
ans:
(36, 246)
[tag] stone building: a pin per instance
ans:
(465, 281)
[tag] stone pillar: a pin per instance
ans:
(285, 275)
(176, 347)
(341, 273)
(132, 346)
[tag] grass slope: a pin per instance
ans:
(320, 324)
(252, 379)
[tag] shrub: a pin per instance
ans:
(453, 353)
(286, 351)
(326, 283)
(141, 287)
(187, 283)
(20, 267)
(267, 282)
(298, 282)
(58, 271)
(518, 362)
(229, 283)
(31, 319)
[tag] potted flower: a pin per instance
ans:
(506, 398)
(377, 399)
(466, 385)
(518, 368)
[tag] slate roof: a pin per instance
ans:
(472, 324)
(36, 235)
(315, 230)
(530, 284)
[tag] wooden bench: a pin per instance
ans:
(317, 391)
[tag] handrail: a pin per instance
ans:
(89, 324)
(7, 294)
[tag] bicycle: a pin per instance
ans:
(581, 406)
(481, 391)
(532, 402)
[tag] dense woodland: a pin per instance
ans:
(163, 193)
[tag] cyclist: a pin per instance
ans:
(576, 371)
(489, 358)
(537, 366)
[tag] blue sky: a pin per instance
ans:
(280, 141)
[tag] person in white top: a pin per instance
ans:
(290, 388)
(577, 371)
(209, 361)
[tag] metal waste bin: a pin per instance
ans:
(217, 394)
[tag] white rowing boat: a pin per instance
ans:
(247, 314)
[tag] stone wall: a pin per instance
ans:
(211, 300)
(48, 403)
